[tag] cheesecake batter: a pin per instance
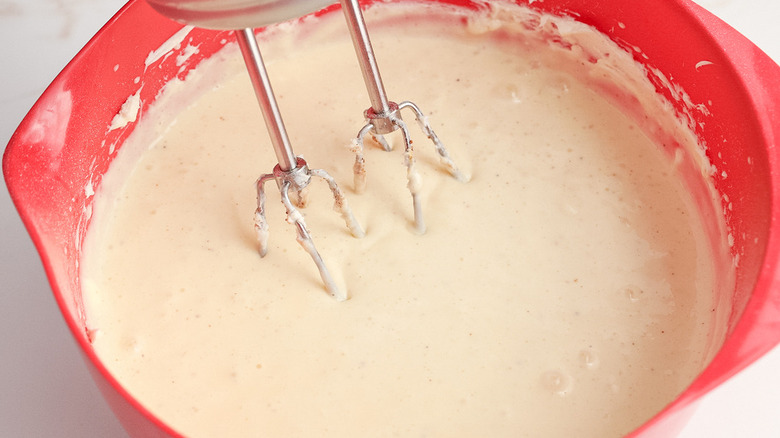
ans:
(565, 290)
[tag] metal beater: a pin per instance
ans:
(384, 117)
(292, 173)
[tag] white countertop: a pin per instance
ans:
(45, 389)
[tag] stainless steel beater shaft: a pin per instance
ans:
(292, 173)
(368, 66)
(265, 97)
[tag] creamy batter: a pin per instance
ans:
(565, 290)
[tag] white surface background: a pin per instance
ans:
(45, 389)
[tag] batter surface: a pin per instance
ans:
(565, 290)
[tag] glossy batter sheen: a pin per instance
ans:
(566, 290)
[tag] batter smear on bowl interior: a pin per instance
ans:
(565, 290)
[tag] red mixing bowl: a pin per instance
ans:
(62, 146)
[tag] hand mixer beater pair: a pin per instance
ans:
(292, 173)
